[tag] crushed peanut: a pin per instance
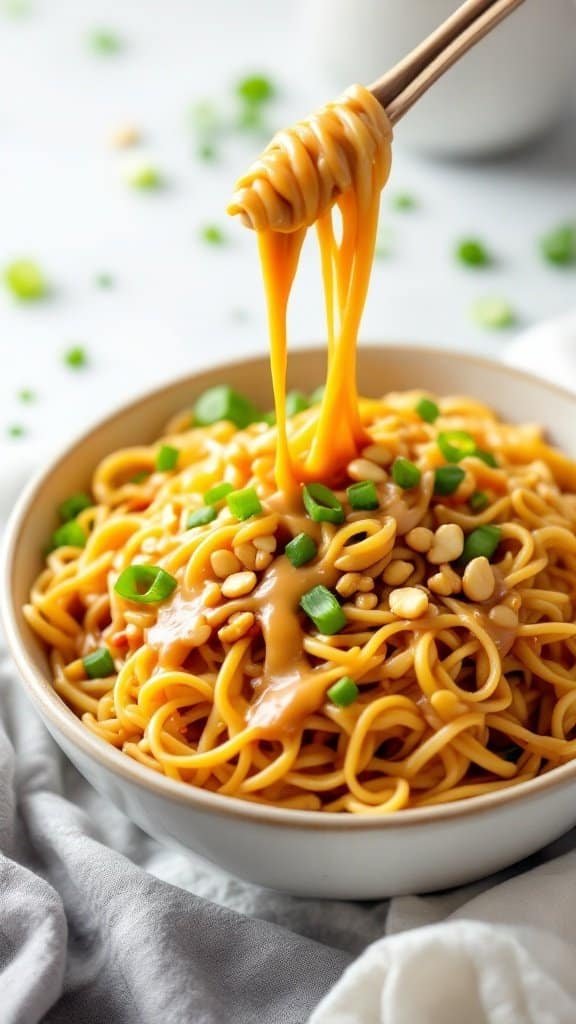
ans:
(445, 582)
(420, 539)
(239, 584)
(364, 469)
(348, 584)
(265, 543)
(448, 544)
(378, 453)
(503, 616)
(238, 625)
(247, 554)
(224, 563)
(478, 581)
(408, 602)
(263, 560)
(366, 602)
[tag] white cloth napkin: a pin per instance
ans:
(186, 942)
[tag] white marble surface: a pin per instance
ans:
(64, 203)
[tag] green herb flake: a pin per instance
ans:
(559, 246)
(212, 235)
(25, 280)
(104, 280)
(493, 313)
(76, 357)
(403, 201)
(105, 42)
(254, 90)
(144, 176)
(472, 253)
(16, 430)
(26, 395)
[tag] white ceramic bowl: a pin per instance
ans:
(305, 853)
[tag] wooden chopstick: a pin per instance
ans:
(399, 88)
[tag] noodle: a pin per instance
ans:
(448, 668)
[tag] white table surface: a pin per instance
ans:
(63, 202)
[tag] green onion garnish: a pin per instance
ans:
(296, 401)
(143, 176)
(206, 151)
(76, 357)
(255, 90)
(447, 479)
(74, 505)
(212, 234)
(473, 253)
(478, 501)
(494, 313)
(98, 664)
(140, 476)
(218, 493)
(321, 504)
(301, 549)
(427, 410)
(344, 692)
(403, 201)
(486, 457)
(559, 245)
(456, 444)
(201, 517)
(69, 535)
(244, 504)
(25, 280)
(405, 473)
(322, 607)
(167, 458)
(145, 584)
(104, 41)
(26, 395)
(363, 495)
(317, 395)
(483, 541)
(223, 403)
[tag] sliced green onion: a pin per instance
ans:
(473, 253)
(26, 395)
(301, 549)
(139, 477)
(105, 42)
(317, 395)
(25, 280)
(344, 692)
(74, 505)
(250, 118)
(76, 357)
(321, 504)
(559, 245)
(405, 473)
(218, 493)
(493, 312)
(296, 401)
(363, 495)
(212, 234)
(69, 535)
(223, 403)
(322, 607)
(456, 444)
(478, 501)
(255, 90)
(244, 504)
(483, 541)
(145, 584)
(403, 201)
(447, 479)
(427, 410)
(201, 517)
(167, 458)
(98, 664)
(143, 176)
(486, 457)
(206, 151)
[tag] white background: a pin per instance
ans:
(64, 203)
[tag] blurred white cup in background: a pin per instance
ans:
(513, 86)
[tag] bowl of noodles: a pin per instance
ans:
(362, 687)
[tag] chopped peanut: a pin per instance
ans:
(265, 543)
(378, 453)
(503, 616)
(224, 563)
(263, 560)
(448, 544)
(212, 595)
(247, 554)
(478, 581)
(348, 584)
(125, 136)
(366, 601)
(239, 584)
(364, 469)
(397, 572)
(238, 625)
(408, 602)
(445, 582)
(420, 539)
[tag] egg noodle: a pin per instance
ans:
(365, 607)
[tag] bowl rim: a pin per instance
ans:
(51, 706)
